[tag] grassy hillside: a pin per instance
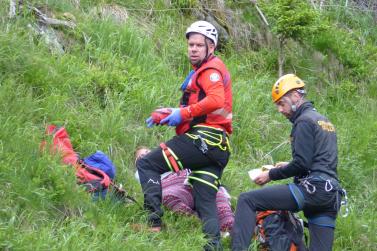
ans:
(113, 74)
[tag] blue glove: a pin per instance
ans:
(149, 122)
(174, 118)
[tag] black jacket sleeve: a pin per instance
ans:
(302, 153)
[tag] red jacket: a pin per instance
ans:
(207, 98)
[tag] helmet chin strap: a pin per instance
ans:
(294, 106)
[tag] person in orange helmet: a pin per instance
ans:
(315, 190)
(203, 124)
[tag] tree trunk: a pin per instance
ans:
(12, 8)
(281, 59)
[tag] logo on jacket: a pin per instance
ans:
(214, 77)
(326, 126)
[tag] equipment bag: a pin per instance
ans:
(101, 161)
(280, 231)
(90, 172)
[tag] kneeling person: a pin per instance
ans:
(315, 190)
(177, 195)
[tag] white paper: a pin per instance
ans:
(254, 173)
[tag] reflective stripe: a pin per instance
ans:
(166, 160)
(213, 136)
(203, 181)
(176, 158)
(323, 221)
(207, 173)
(223, 113)
(201, 175)
(297, 195)
(210, 127)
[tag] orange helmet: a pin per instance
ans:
(284, 84)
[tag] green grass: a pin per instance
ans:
(105, 86)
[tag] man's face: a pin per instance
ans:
(284, 106)
(197, 49)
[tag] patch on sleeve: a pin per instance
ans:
(214, 77)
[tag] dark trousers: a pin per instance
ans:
(279, 197)
(151, 166)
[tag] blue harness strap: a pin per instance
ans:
(323, 221)
(297, 195)
(187, 80)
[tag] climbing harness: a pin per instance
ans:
(211, 136)
(170, 158)
(205, 177)
(330, 185)
(204, 136)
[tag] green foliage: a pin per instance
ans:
(293, 19)
(185, 4)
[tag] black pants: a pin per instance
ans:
(151, 166)
(279, 197)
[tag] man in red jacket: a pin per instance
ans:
(203, 123)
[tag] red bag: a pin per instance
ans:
(92, 177)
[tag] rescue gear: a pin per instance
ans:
(101, 161)
(194, 112)
(159, 114)
(173, 119)
(171, 159)
(204, 136)
(209, 135)
(279, 231)
(187, 80)
(205, 177)
(330, 184)
(94, 172)
(285, 84)
(204, 28)
(323, 221)
(94, 179)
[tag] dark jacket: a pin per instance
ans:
(314, 146)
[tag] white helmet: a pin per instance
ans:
(204, 28)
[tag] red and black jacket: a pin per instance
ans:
(207, 99)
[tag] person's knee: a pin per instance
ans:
(247, 199)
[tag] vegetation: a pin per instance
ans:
(113, 74)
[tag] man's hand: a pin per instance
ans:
(262, 178)
(281, 164)
(174, 118)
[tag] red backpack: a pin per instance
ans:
(94, 179)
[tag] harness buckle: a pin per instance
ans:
(328, 186)
(309, 187)
(203, 146)
(344, 203)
